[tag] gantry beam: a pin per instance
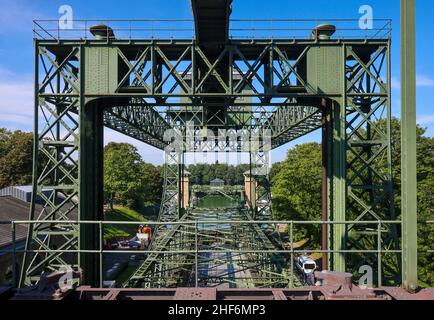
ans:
(139, 122)
(211, 20)
(216, 91)
(289, 123)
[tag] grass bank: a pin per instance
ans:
(120, 213)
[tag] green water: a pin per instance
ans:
(212, 201)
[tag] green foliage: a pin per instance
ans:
(152, 179)
(425, 191)
(275, 169)
(296, 189)
(128, 178)
(16, 155)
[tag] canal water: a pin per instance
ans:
(215, 201)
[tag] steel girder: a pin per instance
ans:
(211, 20)
(275, 75)
(271, 74)
(409, 146)
(139, 122)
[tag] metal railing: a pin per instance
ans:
(123, 29)
(302, 28)
(184, 29)
(198, 234)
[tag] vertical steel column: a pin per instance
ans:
(408, 148)
(330, 185)
(91, 188)
(339, 183)
(325, 172)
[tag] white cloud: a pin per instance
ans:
(16, 103)
(396, 84)
(424, 81)
(6, 74)
(421, 81)
(16, 98)
(425, 119)
(15, 118)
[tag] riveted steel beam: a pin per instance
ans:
(408, 148)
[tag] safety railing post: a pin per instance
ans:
(101, 240)
(14, 258)
(291, 239)
(196, 256)
(379, 258)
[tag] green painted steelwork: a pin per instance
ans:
(91, 188)
(198, 230)
(408, 148)
(144, 87)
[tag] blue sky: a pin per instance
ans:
(16, 46)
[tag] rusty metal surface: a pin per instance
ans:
(196, 294)
(333, 286)
(207, 294)
(323, 293)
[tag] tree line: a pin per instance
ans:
(203, 174)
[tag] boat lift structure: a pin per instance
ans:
(268, 91)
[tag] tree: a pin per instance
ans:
(202, 174)
(152, 184)
(296, 189)
(425, 191)
(16, 155)
(122, 173)
(275, 169)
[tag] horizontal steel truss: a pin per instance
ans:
(264, 70)
(139, 122)
(158, 71)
